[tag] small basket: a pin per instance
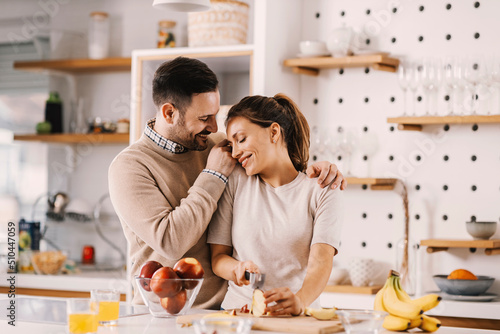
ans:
(225, 24)
(48, 263)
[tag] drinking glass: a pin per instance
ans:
(109, 306)
(495, 74)
(347, 145)
(473, 72)
(414, 82)
(404, 80)
(449, 80)
(82, 315)
(431, 80)
(368, 146)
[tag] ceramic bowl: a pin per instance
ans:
(169, 306)
(313, 48)
(465, 287)
(222, 326)
(339, 42)
(481, 230)
(361, 321)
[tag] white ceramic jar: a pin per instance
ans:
(98, 35)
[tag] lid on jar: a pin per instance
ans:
(103, 14)
(167, 24)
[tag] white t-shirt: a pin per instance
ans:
(274, 228)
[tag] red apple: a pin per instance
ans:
(189, 267)
(174, 304)
(165, 282)
(147, 271)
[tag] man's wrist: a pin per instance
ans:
(221, 176)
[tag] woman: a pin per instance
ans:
(274, 220)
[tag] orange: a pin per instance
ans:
(462, 274)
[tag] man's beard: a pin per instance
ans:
(191, 143)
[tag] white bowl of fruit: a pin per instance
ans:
(170, 291)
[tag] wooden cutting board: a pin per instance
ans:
(300, 324)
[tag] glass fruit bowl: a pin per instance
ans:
(222, 326)
(361, 321)
(168, 297)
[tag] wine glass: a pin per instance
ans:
(449, 80)
(473, 72)
(495, 75)
(368, 146)
(431, 79)
(347, 145)
(414, 82)
(404, 80)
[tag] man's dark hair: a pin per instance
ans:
(177, 80)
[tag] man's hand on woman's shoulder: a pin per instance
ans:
(327, 174)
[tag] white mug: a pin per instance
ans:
(361, 271)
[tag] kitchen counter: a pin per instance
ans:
(81, 282)
(132, 320)
(47, 316)
(446, 308)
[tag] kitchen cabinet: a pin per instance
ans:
(312, 66)
(416, 123)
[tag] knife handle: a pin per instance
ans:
(247, 275)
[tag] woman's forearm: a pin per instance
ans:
(319, 268)
(223, 266)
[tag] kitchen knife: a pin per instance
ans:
(256, 279)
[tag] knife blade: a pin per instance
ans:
(256, 279)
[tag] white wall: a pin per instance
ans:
(430, 174)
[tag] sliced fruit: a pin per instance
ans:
(323, 313)
(258, 303)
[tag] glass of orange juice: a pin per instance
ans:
(109, 305)
(82, 316)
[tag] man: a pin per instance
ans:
(165, 187)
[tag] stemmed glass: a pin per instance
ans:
(473, 72)
(495, 76)
(431, 79)
(413, 83)
(368, 146)
(450, 81)
(404, 80)
(317, 146)
(347, 145)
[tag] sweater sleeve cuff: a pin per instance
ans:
(222, 177)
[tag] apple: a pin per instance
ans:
(43, 127)
(165, 282)
(147, 271)
(189, 267)
(174, 304)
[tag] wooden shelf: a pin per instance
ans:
(374, 183)
(311, 66)
(76, 66)
(367, 290)
(491, 246)
(416, 123)
(73, 138)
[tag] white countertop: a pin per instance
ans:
(447, 308)
(84, 281)
(128, 323)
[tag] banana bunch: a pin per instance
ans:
(404, 312)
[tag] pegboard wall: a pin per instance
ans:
(452, 172)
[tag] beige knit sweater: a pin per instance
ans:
(165, 203)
